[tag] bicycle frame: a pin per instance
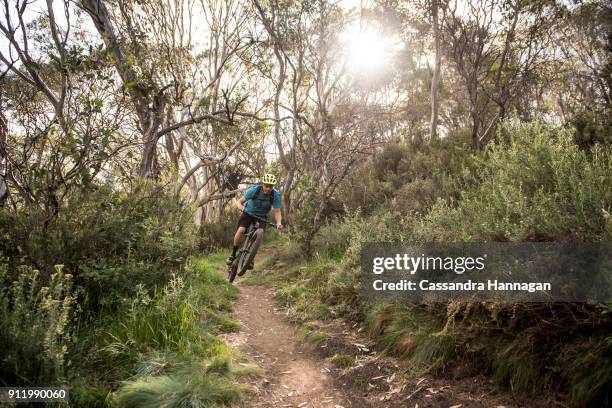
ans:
(248, 236)
(239, 266)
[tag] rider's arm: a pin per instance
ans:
(277, 209)
(278, 217)
(247, 196)
(240, 203)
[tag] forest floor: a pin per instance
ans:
(302, 374)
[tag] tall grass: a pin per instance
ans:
(165, 343)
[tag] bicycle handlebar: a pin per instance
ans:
(259, 218)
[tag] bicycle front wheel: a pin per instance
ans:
(231, 271)
(248, 256)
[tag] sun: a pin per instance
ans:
(368, 51)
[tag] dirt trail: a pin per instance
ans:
(301, 376)
(292, 377)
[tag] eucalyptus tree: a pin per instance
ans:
(59, 109)
(285, 42)
(207, 155)
(497, 48)
(151, 46)
(585, 69)
(322, 107)
(4, 190)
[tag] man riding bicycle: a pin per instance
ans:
(259, 200)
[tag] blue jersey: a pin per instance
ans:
(261, 205)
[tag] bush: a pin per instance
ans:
(592, 128)
(407, 176)
(35, 326)
(218, 234)
(361, 190)
(416, 197)
(332, 239)
(538, 186)
(110, 241)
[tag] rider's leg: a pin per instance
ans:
(238, 239)
(243, 223)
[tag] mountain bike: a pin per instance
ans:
(250, 245)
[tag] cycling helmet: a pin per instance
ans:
(269, 179)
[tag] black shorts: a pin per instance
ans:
(246, 220)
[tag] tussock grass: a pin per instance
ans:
(166, 344)
(406, 331)
(189, 388)
(91, 395)
(309, 333)
(588, 369)
(343, 360)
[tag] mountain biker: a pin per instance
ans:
(259, 200)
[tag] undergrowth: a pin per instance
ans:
(533, 185)
(166, 342)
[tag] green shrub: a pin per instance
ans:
(218, 234)
(110, 241)
(537, 186)
(35, 326)
(415, 197)
(361, 190)
(332, 240)
(592, 128)
(406, 176)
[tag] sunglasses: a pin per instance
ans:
(269, 185)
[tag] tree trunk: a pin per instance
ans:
(287, 187)
(148, 119)
(316, 226)
(149, 166)
(3, 136)
(435, 102)
(475, 131)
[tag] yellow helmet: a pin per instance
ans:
(269, 178)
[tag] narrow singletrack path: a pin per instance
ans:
(298, 375)
(292, 375)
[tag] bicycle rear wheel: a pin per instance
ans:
(249, 255)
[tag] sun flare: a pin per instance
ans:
(368, 51)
